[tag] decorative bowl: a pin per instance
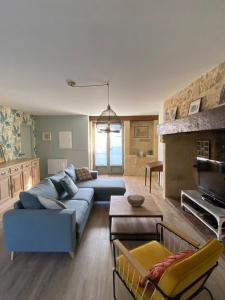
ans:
(136, 200)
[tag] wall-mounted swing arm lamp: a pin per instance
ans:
(108, 121)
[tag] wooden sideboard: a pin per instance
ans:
(17, 176)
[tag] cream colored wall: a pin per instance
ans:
(133, 164)
(161, 146)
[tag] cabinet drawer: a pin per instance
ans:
(26, 165)
(35, 163)
(15, 169)
(4, 172)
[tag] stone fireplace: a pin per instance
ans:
(180, 158)
(181, 135)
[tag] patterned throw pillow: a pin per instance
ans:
(83, 174)
(69, 186)
(51, 203)
(155, 273)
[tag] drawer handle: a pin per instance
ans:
(16, 169)
(3, 173)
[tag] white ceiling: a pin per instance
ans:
(148, 49)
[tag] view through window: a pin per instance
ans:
(108, 148)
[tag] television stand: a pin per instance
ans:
(210, 215)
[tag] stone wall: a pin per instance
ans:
(208, 87)
(134, 165)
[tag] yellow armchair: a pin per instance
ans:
(181, 280)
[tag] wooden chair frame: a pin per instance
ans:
(160, 228)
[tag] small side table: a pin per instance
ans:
(156, 166)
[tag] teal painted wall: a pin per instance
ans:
(78, 155)
(10, 131)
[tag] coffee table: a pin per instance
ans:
(126, 222)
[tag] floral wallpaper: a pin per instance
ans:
(10, 136)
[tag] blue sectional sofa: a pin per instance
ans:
(30, 227)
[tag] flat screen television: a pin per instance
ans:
(211, 180)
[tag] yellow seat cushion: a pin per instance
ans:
(147, 255)
(177, 276)
(181, 274)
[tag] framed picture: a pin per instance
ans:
(171, 113)
(65, 140)
(203, 148)
(46, 136)
(222, 95)
(2, 155)
(141, 132)
(194, 106)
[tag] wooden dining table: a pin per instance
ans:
(155, 166)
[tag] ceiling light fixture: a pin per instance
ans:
(108, 121)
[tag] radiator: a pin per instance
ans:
(56, 165)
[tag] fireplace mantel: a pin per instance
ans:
(206, 120)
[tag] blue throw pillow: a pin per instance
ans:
(70, 171)
(45, 188)
(56, 181)
(30, 201)
(69, 186)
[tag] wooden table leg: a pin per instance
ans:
(145, 175)
(110, 228)
(150, 181)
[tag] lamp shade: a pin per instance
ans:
(108, 121)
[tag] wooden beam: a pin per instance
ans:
(211, 119)
(131, 118)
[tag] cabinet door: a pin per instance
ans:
(5, 184)
(27, 178)
(35, 172)
(17, 183)
(5, 189)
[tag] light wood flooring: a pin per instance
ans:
(52, 276)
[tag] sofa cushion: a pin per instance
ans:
(83, 174)
(51, 203)
(45, 188)
(56, 181)
(70, 171)
(69, 185)
(104, 188)
(85, 194)
(103, 183)
(81, 208)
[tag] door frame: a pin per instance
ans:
(108, 168)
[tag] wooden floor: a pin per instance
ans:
(34, 276)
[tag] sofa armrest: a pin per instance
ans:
(40, 230)
(94, 174)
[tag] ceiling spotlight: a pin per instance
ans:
(71, 82)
